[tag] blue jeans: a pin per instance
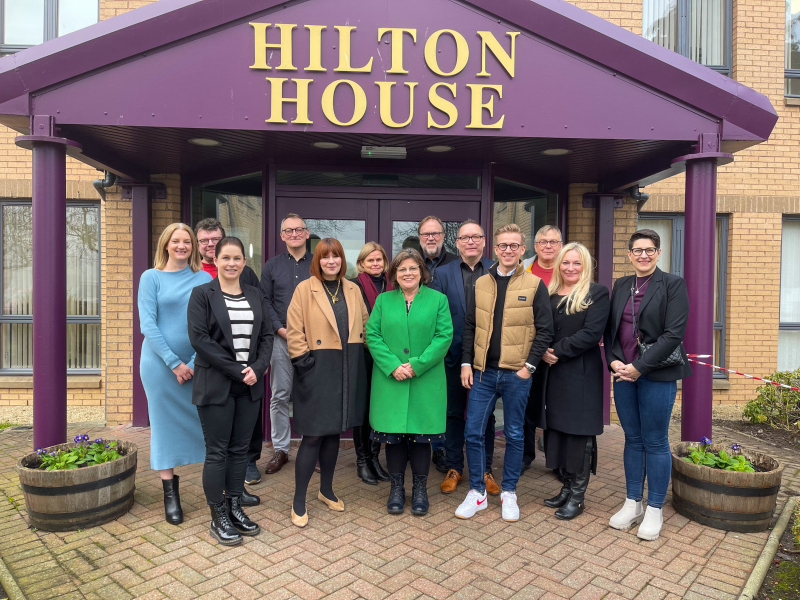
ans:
(457, 396)
(487, 387)
(644, 408)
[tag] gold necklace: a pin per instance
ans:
(334, 296)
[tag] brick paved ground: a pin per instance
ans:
(365, 553)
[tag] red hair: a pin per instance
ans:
(324, 247)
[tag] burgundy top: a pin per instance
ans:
(627, 339)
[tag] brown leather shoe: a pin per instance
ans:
(279, 459)
(451, 481)
(491, 485)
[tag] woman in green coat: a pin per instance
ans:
(408, 335)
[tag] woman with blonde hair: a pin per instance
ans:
(167, 361)
(574, 390)
(371, 265)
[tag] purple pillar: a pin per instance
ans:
(698, 271)
(49, 205)
(604, 254)
(140, 262)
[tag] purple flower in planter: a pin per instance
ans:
(78, 439)
(705, 441)
(736, 448)
(39, 451)
(98, 441)
(85, 437)
(107, 446)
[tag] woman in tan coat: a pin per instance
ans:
(325, 335)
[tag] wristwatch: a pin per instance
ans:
(531, 368)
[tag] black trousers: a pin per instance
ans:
(227, 429)
(457, 396)
(257, 439)
(534, 412)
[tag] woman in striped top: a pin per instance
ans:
(230, 330)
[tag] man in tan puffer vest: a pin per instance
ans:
(508, 327)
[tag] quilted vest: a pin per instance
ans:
(518, 326)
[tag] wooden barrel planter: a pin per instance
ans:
(78, 498)
(729, 500)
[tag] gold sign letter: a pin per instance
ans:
(277, 100)
(397, 45)
(315, 47)
(477, 104)
(385, 88)
(443, 105)
(359, 108)
(462, 52)
(488, 40)
(285, 46)
(344, 52)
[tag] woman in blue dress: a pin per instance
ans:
(167, 363)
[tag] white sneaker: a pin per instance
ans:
(474, 502)
(651, 526)
(629, 515)
(510, 507)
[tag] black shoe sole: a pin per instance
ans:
(369, 482)
(396, 511)
(248, 533)
(174, 522)
(553, 504)
(231, 543)
(251, 504)
(419, 513)
(568, 517)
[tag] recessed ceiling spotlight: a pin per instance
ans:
(556, 152)
(326, 145)
(205, 142)
(439, 148)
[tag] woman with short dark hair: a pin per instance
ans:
(408, 335)
(325, 336)
(644, 351)
(371, 265)
(230, 329)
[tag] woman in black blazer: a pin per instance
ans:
(229, 328)
(650, 307)
(574, 375)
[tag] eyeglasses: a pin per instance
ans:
(293, 230)
(216, 240)
(552, 243)
(470, 238)
(431, 234)
(405, 270)
(649, 251)
(503, 247)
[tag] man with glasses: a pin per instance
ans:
(508, 327)
(209, 234)
(456, 280)
(279, 278)
(431, 240)
(547, 244)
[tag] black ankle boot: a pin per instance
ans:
(222, 529)
(172, 501)
(419, 496)
(561, 499)
(240, 521)
(380, 473)
(365, 472)
(250, 499)
(363, 457)
(578, 484)
(396, 503)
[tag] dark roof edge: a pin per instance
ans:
(575, 29)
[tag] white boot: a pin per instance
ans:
(651, 526)
(629, 515)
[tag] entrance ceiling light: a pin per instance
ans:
(383, 152)
(326, 145)
(205, 142)
(556, 152)
(439, 148)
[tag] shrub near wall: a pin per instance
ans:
(775, 406)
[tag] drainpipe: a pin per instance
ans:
(638, 195)
(101, 184)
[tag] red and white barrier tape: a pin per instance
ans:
(693, 356)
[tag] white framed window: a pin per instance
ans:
(25, 23)
(792, 72)
(789, 328)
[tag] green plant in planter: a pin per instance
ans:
(96, 453)
(776, 406)
(734, 461)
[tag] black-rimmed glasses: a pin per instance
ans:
(649, 251)
(503, 246)
(470, 238)
(293, 230)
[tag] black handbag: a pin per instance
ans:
(675, 358)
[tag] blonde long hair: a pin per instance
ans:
(578, 299)
(162, 256)
(368, 249)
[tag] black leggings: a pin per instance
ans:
(417, 453)
(227, 429)
(325, 449)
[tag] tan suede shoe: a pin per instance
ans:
(451, 481)
(491, 485)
